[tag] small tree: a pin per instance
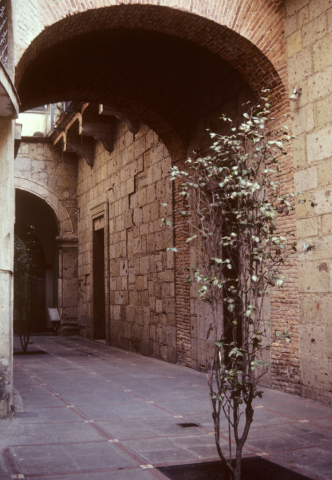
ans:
(26, 255)
(233, 200)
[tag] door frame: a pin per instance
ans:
(99, 215)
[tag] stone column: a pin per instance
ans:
(7, 205)
(68, 285)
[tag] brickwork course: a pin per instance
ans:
(177, 66)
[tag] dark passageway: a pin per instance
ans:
(32, 211)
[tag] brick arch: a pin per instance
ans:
(248, 35)
(56, 65)
(259, 21)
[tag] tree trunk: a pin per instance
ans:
(238, 464)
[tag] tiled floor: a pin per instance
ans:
(86, 411)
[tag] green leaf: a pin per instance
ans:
(191, 238)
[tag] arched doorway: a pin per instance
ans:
(36, 229)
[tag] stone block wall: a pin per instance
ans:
(308, 30)
(133, 180)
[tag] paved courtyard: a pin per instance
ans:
(86, 411)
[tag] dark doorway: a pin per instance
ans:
(38, 306)
(36, 228)
(29, 280)
(99, 285)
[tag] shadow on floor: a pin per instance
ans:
(253, 468)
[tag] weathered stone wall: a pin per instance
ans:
(309, 49)
(133, 180)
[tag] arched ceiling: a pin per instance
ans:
(164, 66)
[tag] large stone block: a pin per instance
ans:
(169, 304)
(303, 16)
(154, 211)
(299, 152)
(315, 308)
(157, 172)
(121, 297)
(137, 216)
(141, 282)
(324, 173)
(141, 197)
(144, 265)
(322, 52)
(321, 252)
(319, 84)
(314, 372)
(319, 145)
(327, 224)
(312, 339)
(139, 146)
(157, 153)
(294, 6)
(324, 201)
(307, 227)
(319, 7)
(323, 111)
(314, 30)
(294, 43)
(300, 66)
(305, 179)
(159, 306)
(291, 26)
(314, 277)
(303, 119)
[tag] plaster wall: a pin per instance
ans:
(308, 31)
